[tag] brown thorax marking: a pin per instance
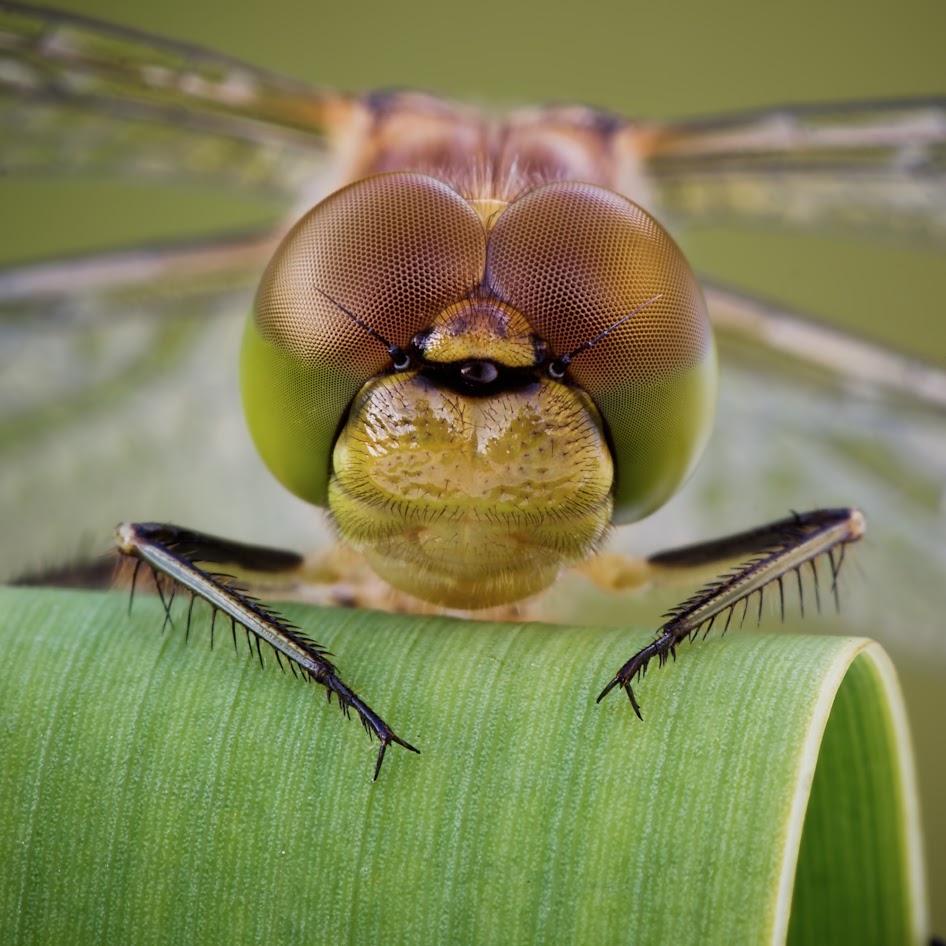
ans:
(490, 160)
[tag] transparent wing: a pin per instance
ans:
(762, 326)
(79, 95)
(91, 324)
(788, 441)
(119, 397)
(875, 169)
(820, 417)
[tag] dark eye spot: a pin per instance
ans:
(400, 360)
(479, 372)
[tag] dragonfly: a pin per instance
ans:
(137, 348)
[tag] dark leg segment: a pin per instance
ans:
(778, 549)
(172, 551)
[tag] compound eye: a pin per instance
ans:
(394, 250)
(574, 259)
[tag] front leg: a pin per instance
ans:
(172, 552)
(777, 548)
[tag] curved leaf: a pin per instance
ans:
(160, 792)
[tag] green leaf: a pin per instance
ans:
(158, 791)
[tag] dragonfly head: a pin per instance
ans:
(476, 400)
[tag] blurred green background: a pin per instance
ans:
(655, 60)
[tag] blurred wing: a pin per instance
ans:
(91, 324)
(79, 95)
(138, 416)
(875, 168)
(764, 328)
(119, 398)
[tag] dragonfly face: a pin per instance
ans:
(481, 369)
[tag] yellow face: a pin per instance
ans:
(462, 389)
(470, 491)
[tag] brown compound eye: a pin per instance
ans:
(574, 259)
(394, 249)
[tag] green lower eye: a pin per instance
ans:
(292, 410)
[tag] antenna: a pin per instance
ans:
(558, 367)
(399, 358)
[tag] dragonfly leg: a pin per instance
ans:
(173, 552)
(774, 551)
